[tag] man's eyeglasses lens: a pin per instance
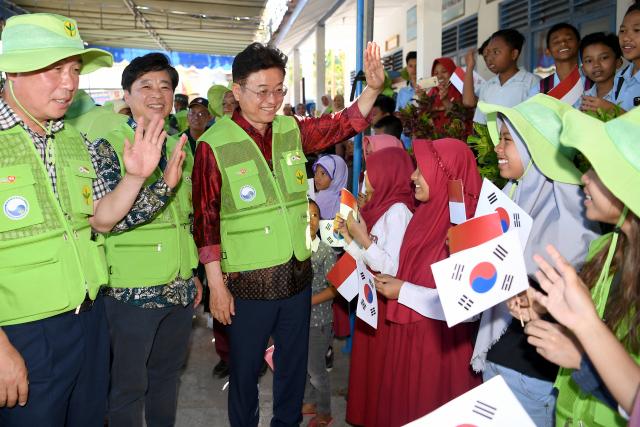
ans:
(200, 114)
(264, 94)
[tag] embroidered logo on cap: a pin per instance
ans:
(70, 28)
(247, 193)
(83, 169)
(16, 207)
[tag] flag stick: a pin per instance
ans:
(519, 312)
(530, 304)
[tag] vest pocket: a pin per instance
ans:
(294, 171)
(18, 198)
(246, 188)
(21, 288)
(256, 244)
(185, 193)
(80, 176)
(126, 258)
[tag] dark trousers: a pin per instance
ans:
(287, 321)
(67, 357)
(149, 346)
(222, 340)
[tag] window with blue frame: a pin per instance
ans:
(458, 38)
(533, 18)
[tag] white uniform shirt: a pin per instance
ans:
(387, 235)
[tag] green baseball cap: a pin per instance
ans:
(181, 97)
(215, 95)
(539, 122)
(34, 41)
(612, 149)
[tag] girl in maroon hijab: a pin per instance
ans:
(443, 69)
(426, 363)
(376, 242)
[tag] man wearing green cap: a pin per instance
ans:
(199, 118)
(54, 344)
(180, 104)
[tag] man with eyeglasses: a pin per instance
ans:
(252, 225)
(198, 118)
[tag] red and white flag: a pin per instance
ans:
(348, 203)
(268, 356)
(457, 79)
(570, 89)
(491, 404)
(344, 277)
(457, 210)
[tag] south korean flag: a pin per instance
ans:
(512, 217)
(367, 298)
(480, 278)
(491, 404)
(330, 235)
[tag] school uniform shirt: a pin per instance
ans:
(513, 92)
(322, 261)
(594, 92)
(387, 235)
(556, 81)
(404, 97)
(630, 87)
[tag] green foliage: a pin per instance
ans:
(486, 157)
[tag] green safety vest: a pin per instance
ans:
(572, 403)
(183, 123)
(153, 253)
(48, 260)
(264, 215)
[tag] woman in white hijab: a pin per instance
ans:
(327, 105)
(546, 185)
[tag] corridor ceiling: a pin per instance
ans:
(219, 27)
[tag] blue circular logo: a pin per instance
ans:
(247, 193)
(16, 207)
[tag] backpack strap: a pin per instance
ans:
(588, 84)
(546, 84)
(620, 82)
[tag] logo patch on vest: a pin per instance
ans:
(241, 172)
(300, 176)
(188, 179)
(247, 193)
(83, 169)
(16, 207)
(86, 194)
(8, 180)
(294, 158)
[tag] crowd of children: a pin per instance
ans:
(413, 363)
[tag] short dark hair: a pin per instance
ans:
(609, 40)
(145, 64)
(257, 57)
(483, 46)
(391, 126)
(561, 26)
(512, 38)
(385, 103)
(313, 202)
(412, 55)
(635, 6)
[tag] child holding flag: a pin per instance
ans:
(317, 391)
(545, 183)
(610, 273)
(426, 362)
(445, 93)
(375, 241)
(601, 57)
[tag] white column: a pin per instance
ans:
(320, 67)
(297, 87)
(429, 35)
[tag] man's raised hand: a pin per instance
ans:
(173, 171)
(141, 158)
(374, 72)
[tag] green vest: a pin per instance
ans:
(264, 215)
(572, 403)
(48, 259)
(183, 123)
(153, 253)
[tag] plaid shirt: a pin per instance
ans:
(9, 119)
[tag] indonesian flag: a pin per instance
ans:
(348, 203)
(344, 277)
(268, 356)
(570, 89)
(491, 404)
(457, 79)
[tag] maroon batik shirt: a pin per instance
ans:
(291, 277)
